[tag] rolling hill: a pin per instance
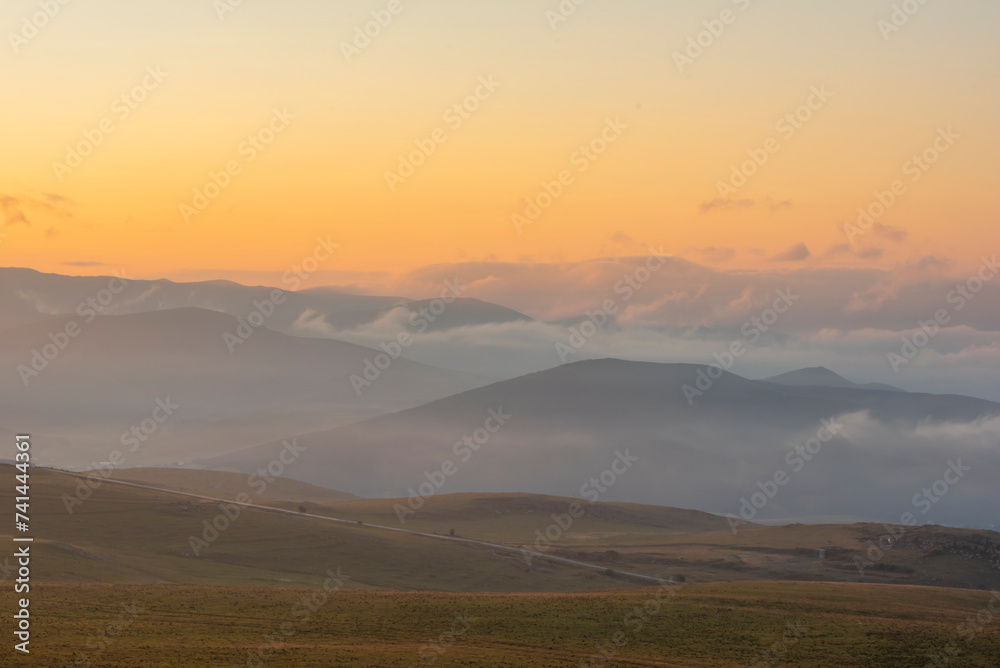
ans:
(226, 485)
(90, 530)
(124, 534)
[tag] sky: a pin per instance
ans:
(809, 183)
(666, 123)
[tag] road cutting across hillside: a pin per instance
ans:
(496, 546)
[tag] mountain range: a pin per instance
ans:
(845, 450)
(92, 362)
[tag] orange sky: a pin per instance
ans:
(554, 90)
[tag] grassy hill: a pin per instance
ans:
(225, 485)
(124, 534)
(701, 546)
(128, 534)
(513, 518)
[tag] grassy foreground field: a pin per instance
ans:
(719, 624)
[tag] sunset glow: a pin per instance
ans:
(353, 114)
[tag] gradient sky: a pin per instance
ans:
(324, 175)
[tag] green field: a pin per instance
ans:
(738, 624)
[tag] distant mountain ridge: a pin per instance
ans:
(91, 387)
(565, 426)
(819, 376)
(29, 296)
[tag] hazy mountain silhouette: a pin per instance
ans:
(567, 424)
(28, 296)
(271, 385)
(822, 377)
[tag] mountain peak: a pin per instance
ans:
(820, 376)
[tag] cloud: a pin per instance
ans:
(930, 263)
(870, 253)
(620, 237)
(746, 203)
(891, 284)
(620, 243)
(723, 203)
(13, 213)
(845, 249)
(684, 294)
(839, 249)
(796, 253)
(14, 207)
(714, 253)
(889, 232)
